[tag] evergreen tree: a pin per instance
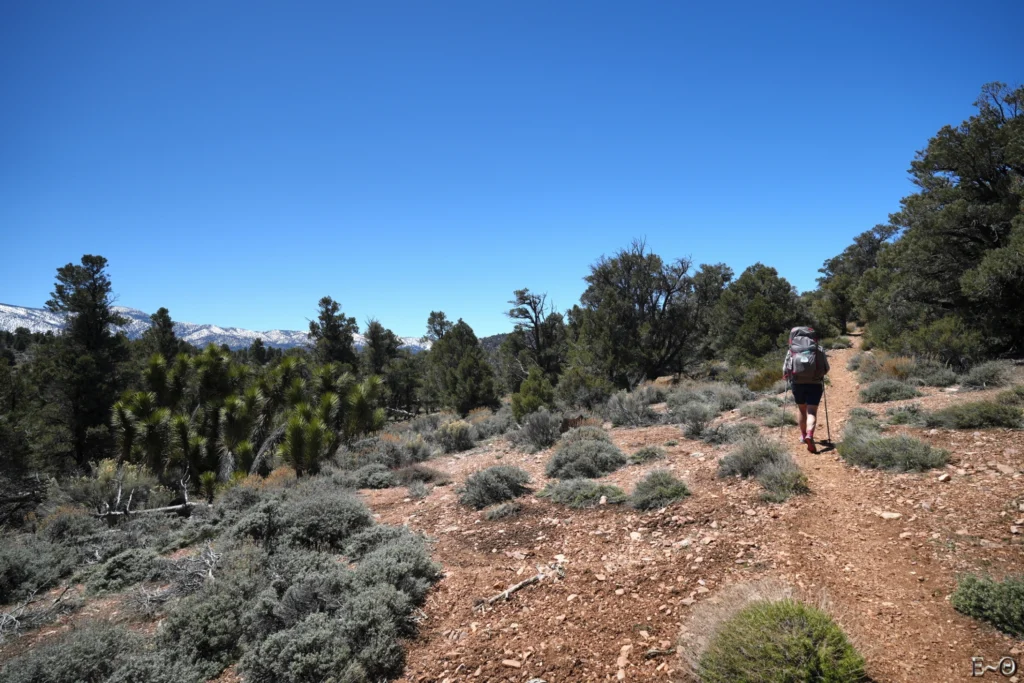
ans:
(539, 339)
(636, 317)
(438, 325)
(160, 337)
(87, 358)
(755, 312)
(460, 369)
(332, 332)
(381, 347)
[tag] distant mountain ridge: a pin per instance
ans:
(42, 320)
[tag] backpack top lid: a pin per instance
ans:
(802, 332)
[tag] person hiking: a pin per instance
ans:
(805, 368)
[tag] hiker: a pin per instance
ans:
(805, 368)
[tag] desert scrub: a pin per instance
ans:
(720, 395)
(503, 511)
(455, 436)
(647, 454)
(417, 490)
(906, 415)
(1000, 603)
(585, 459)
(629, 410)
(731, 433)
(539, 430)
(323, 521)
(836, 343)
(124, 570)
(585, 433)
(780, 642)
(582, 493)
(421, 473)
(657, 490)
(29, 564)
(696, 418)
(373, 476)
(896, 453)
(770, 464)
(782, 480)
(781, 418)
(761, 409)
(1011, 397)
(92, 652)
(975, 415)
(494, 485)
(888, 390)
(988, 375)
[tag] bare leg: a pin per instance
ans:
(812, 416)
(802, 407)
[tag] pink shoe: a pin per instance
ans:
(811, 448)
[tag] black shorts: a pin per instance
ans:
(809, 394)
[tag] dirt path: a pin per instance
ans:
(630, 579)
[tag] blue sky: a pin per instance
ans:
(235, 161)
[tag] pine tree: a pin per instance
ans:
(460, 368)
(332, 332)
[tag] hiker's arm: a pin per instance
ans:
(786, 362)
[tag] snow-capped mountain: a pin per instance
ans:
(42, 320)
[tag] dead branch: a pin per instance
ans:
(505, 594)
(402, 412)
(656, 652)
(125, 513)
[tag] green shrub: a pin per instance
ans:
(934, 374)
(316, 649)
(502, 511)
(696, 418)
(421, 473)
(780, 642)
(760, 409)
(751, 457)
(579, 387)
(365, 542)
(585, 459)
(455, 436)
(764, 378)
(1000, 603)
(836, 343)
(781, 480)
(864, 445)
(70, 526)
(1011, 397)
(582, 493)
(494, 485)
(988, 375)
(124, 570)
(781, 418)
(417, 490)
(626, 409)
(496, 424)
(91, 652)
(860, 413)
(373, 476)
(906, 415)
(585, 433)
(647, 454)
(540, 430)
(854, 363)
(721, 396)
(324, 521)
(887, 390)
(650, 394)
(731, 433)
(29, 564)
(402, 564)
(657, 490)
(975, 415)
(534, 393)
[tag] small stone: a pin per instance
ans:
(906, 534)
(1015, 529)
(572, 597)
(600, 577)
(513, 663)
(603, 501)
(620, 591)
(635, 535)
(1005, 469)
(687, 601)
(890, 515)
(750, 512)
(943, 477)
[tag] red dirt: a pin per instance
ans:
(630, 578)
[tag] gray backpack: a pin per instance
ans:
(806, 361)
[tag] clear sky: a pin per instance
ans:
(237, 160)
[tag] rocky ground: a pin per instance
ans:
(620, 585)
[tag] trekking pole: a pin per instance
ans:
(828, 427)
